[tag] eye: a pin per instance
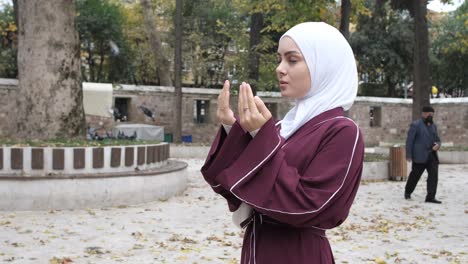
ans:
(293, 60)
(278, 59)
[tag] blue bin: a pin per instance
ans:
(187, 139)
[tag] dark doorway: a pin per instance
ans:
(121, 109)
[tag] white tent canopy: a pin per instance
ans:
(97, 99)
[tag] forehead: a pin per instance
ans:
(287, 44)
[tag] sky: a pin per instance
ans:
(435, 5)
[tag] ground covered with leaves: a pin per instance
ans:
(196, 227)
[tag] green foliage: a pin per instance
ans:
(104, 52)
(383, 46)
(217, 39)
(449, 52)
(8, 42)
(279, 16)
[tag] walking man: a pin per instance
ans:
(422, 145)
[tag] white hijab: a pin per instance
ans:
(333, 73)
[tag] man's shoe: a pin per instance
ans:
(407, 196)
(433, 201)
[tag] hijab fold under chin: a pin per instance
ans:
(333, 73)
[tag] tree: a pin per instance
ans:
(50, 99)
(214, 37)
(256, 24)
(8, 42)
(162, 62)
(279, 16)
(346, 7)
(383, 46)
(178, 71)
(449, 52)
(105, 53)
(421, 79)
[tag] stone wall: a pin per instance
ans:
(451, 117)
(63, 162)
(390, 124)
(161, 100)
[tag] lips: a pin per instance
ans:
(283, 84)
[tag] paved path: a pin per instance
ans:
(196, 228)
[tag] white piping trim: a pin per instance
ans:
(215, 186)
(258, 165)
(313, 211)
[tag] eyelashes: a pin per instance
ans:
(290, 61)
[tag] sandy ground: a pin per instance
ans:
(195, 227)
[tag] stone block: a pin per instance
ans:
(141, 155)
(16, 159)
(149, 155)
(37, 159)
(79, 161)
(58, 159)
(129, 155)
(115, 157)
(98, 158)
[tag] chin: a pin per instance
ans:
(285, 93)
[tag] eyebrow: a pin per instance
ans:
(289, 52)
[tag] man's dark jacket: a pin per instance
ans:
(421, 138)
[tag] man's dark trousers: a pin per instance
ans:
(417, 169)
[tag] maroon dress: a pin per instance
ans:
(298, 187)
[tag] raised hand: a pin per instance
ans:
(224, 113)
(253, 113)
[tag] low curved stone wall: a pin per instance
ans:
(96, 191)
(43, 178)
(80, 161)
(453, 157)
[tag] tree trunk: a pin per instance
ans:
(390, 87)
(91, 64)
(421, 79)
(256, 25)
(161, 61)
(101, 62)
(345, 14)
(50, 98)
(15, 13)
(178, 72)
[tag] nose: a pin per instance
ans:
(280, 70)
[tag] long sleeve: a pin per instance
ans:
(410, 141)
(436, 134)
(225, 149)
(320, 197)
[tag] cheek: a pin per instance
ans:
(304, 82)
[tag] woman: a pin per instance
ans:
(300, 176)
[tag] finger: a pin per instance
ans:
(245, 102)
(245, 97)
(262, 108)
(240, 107)
(226, 94)
(250, 99)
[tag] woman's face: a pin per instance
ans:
(292, 71)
